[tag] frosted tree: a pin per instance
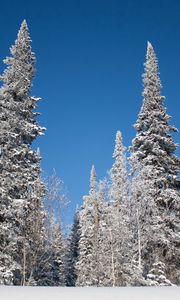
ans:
(73, 251)
(118, 174)
(59, 254)
(146, 222)
(106, 250)
(21, 186)
(105, 235)
(119, 216)
(153, 147)
(55, 200)
(87, 266)
(156, 276)
(56, 259)
(52, 266)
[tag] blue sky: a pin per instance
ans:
(90, 57)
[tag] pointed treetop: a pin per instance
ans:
(151, 56)
(24, 23)
(92, 179)
(152, 124)
(19, 74)
(118, 172)
(152, 90)
(23, 26)
(118, 137)
(151, 80)
(118, 144)
(149, 45)
(23, 36)
(23, 31)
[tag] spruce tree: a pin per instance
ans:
(57, 258)
(73, 252)
(51, 269)
(153, 149)
(118, 173)
(121, 234)
(157, 277)
(145, 222)
(21, 186)
(106, 251)
(87, 265)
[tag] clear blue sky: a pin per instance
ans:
(90, 57)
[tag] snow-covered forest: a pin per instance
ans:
(127, 232)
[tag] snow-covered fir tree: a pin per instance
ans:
(87, 266)
(153, 149)
(145, 222)
(51, 267)
(73, 251)
(156, 276)
(21, 186)
(57, 257)
(106, 251)
(119, 225)
(118, 173)
(120, 236)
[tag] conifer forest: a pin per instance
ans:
(127, 231)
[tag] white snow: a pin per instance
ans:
(76, 293)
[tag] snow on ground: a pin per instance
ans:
(57, 293)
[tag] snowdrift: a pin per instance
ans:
(58, 293)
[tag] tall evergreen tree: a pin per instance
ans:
(73, 252)
(119, 215)
(21, 186)
(118, 174)
(54, 275)
(105, 236)
(153, 149)
(145, 222)
(87, 265)
(104, 247)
